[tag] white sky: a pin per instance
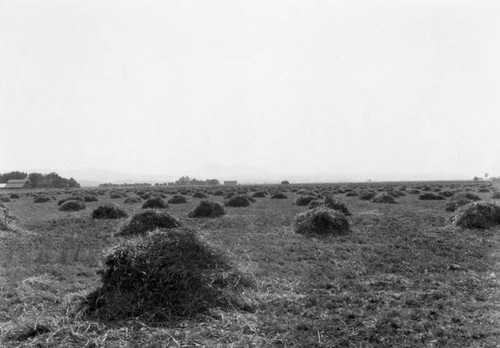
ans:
(295, 87)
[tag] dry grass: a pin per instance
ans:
(403, 277)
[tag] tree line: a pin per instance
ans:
(39, 180)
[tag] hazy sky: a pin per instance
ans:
(287, 86)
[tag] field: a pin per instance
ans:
(404, 276)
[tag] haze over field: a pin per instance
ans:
(305, 90)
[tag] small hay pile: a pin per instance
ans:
(108, 211)
(42, 199)
(132, 200)
(90, 198)
(383, 198)
(259, 194)
(72, 205)
(165, 276)
(177, 199)
(154, 203)
(238, 201)
(321, 221)
(207, 208)
(146, 221)
(477, 215)
(430, 197)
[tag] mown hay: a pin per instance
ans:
(108, 211)
(321, 221)
(477, 215)
(154, 203)
(72, 205)
(164, 276)
(430, 197)
(383, 198)
(207, 208)
(238, 201)
(177, 199)
(146, 221)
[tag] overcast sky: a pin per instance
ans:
(297, 87)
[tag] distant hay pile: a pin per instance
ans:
(208, 209)
(304, 200)
(259, 194)
(108, 211)
(164, 276)
(430, 197)
(477, 215)
(383, 198)
(154, 203)
(132, 200)
(321, 221)
(72, 205)
(367, 195)
(238, 201)
(279, 195)
(147, 221)
(199, 195)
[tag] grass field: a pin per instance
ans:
(403, 277)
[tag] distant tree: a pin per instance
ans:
(285, 182)
(72, 183)
(183, 180)
(212, 182)
(36, 179)
(486, 175)
(12, 176)
(476, 178)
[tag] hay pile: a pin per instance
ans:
(238, 201)
(72, 205)
(72, 198)
(132, 200)
(199, 195)
(146, 221)
(461, 199)
(90, 198)
(279, 195)
(259, 194)
(495, 195)
(480, 215)
(4, 199)
(321, 221)
(207, 208)
(108, 211)
(164, 276)
(304, 200)
(154, 203)
(331, 203)
(430, 197)
(383, 198)
(42, 199)
(177, 199)
(367, 195)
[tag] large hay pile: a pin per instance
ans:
(164, 276)
(108, 211)
(207, 208)
(480, 215)
(146, 221)
(321, 221)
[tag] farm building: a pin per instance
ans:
(230, 183)
(17, 184)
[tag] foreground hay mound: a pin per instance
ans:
(480, 215)
(108, 211)
(321, 221)
(164, 276)
(238, 201)
(72, 205)
(207, 208)
(147, 221)
(154, 202)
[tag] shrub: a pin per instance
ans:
(321, 221)
(383, 198)
(238, 201)
(108, 211)
(72, 205)
(132, 200)
(146, 221)
(304, 200)
(164, 276)
(478, 215)
(154, 202)
(207, 208)
(279, 195)
(177, 199)
(430, 197)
